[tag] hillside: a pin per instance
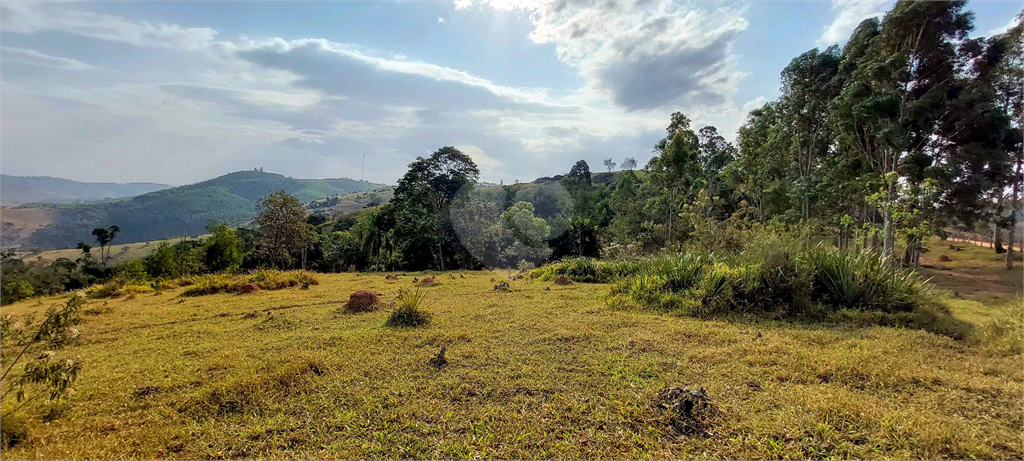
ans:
(181, 211)
(17, 190)
(539, 372)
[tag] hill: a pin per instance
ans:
(541, 371)
(180, 211)
(17, 190)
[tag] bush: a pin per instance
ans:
(118, 287)
(863, 281)
(780, 283)
(273, 279)
(409, 312)
(212, 284)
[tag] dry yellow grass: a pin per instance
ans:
(542, 371)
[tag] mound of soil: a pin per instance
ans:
(945, 258)
(391, 277)
(249, 288)
(562, 280)
(362, 301)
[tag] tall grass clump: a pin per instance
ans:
(118, 287)
(815, 283)
(409, 311)
(864, 281)
(212, 284)
(273, 279)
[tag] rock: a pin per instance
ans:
(362, 301)
(503, 287)
(249, 288)
(562, 280)
(945, 258)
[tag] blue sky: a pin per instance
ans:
(178, 92)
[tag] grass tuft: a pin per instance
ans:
(409, 311)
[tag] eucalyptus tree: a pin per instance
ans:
(673, 172)
(809, 83)
(901, 71)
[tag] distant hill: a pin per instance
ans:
(17, 190)
(179, 211)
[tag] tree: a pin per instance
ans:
(281, 227)
(714, 154)
(222, 250)
(809, 83)
(673, 171)
(609, 164)
(423, 197)
(31, 367)
(628, 163)
(105, 235)
(527, 234)
(901, 72)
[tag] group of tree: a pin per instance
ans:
(910, 128)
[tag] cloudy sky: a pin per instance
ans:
(179, 92)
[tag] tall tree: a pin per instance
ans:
(809, 83)
(609, 164)
(672, 173)
(281, 227)
(105, 235)
(427, 190)
(889, 107)
(628, 163)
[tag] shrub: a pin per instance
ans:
(780, 282)
(212, 284)
(863, 281)
(409, 312)
(273, 279)
(118, 287)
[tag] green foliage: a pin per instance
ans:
(31, 367)
(223, 249)
(409, 310)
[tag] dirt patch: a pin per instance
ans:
(687, 412)
(362, 301)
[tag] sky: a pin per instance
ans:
(180, 92)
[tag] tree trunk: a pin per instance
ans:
(1014, 208)
(997, 240)
(888, 233)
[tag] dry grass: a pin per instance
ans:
(544, 371)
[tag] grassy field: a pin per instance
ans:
(543, 371)
(118, 253)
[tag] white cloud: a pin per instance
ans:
(754, 104)
(643, 54)
(27, 18)
(1003, 29)
(299, 106)
(35, 58)
(440, 20)
(850, 13)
